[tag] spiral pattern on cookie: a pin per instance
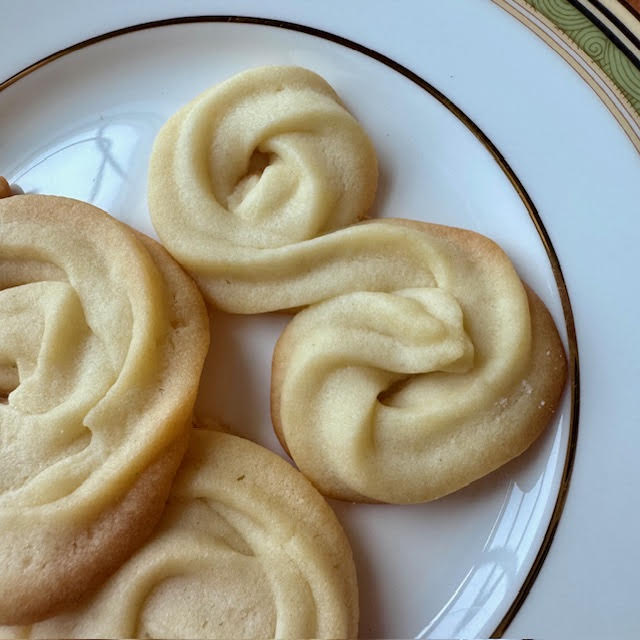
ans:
(102, 339)
(246, 548)
(250, 168)
(404, 395)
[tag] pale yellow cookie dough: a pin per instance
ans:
(428, 374)
(102, 341)
(408, 395)
(247, 548)
(265, 160)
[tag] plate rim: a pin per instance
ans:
(572, 343)
(543, 19)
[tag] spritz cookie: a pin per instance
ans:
(247, 548)
(411, 392)
(267, 159)
(102, 341)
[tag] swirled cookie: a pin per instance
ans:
(265, 160)
(247, 548)
(102, 340)
(405, 394)
(440, 361)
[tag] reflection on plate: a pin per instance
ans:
(82, 125)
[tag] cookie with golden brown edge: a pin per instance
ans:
(265, 160)
(246, 548)
(5, 188)
(102, 341)
(411, 392)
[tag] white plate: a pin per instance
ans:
(563, 137)
(83, 125)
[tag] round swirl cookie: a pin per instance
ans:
(246, 548)
(265, 160)
(102, 341)
(411, 392)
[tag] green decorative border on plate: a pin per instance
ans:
(596, 44)
(601, 47)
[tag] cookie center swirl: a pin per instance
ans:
(264, 161)
(370, 381)
(57, 359)
(298, 135)
(186, 580)
(74, 351)
(246, 548)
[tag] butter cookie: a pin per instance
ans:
(102, 341)
(246, 548)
